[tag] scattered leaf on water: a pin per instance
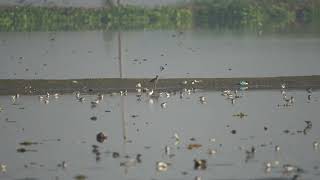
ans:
(240, 115)
(80, 177)
(94, 118)
(21, 150)
(194, 146)
(28, 143)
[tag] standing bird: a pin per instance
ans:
(309, 90)
(154, 81)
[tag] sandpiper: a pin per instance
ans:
(150, 93)
(155, 81)
(202, 99)
(56, 95)
(100, 97)
(309, 90)
(77, 94)
(164, 105)
(138, 85)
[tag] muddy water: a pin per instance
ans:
(64, 132)
(198, 53)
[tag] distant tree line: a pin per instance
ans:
(253, 14)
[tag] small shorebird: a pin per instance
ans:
(138, 85)
(164, 105)
(288, 100)
(154, 81)
(100, 97)
(309, 90)
(202, 99)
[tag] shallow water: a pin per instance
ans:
(196, 53)
(65, 133)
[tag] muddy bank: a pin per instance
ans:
(116, 84)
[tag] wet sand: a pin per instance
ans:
(106, 85)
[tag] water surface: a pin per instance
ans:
(193, 53)
(65, 133)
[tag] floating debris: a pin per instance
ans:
(23, 150)
(134, 115)
(240, 115)
(94, 118)
(194, 146)
(80, 177)
(200, 164)
(162, 166)
(28, 143)
(101, 137)
(129, 163)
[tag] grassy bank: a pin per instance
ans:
(254, 14)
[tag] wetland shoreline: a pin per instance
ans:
(107, 85)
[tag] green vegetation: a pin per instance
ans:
(253, 14)
(55, 19)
